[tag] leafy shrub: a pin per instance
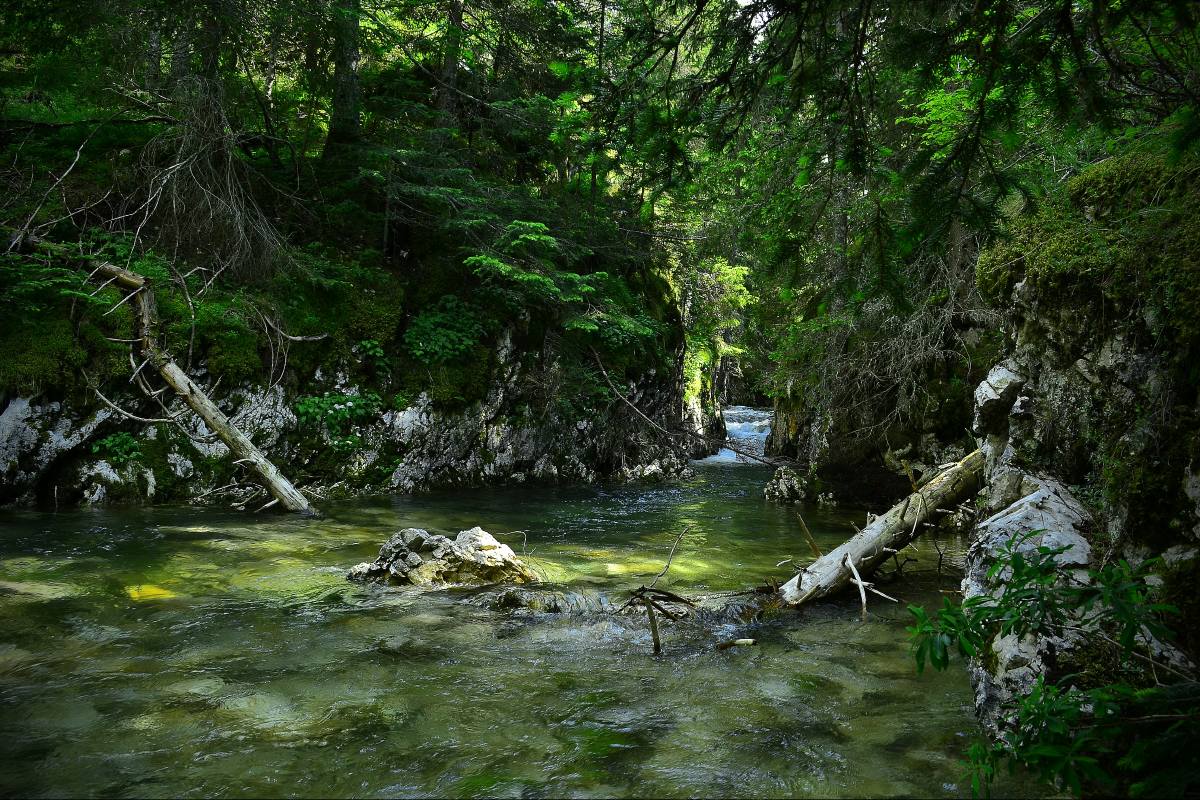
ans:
(445, 332)
(1105, 736)
(371, 354)
(119, 448)
(339, 415)
(335, 412)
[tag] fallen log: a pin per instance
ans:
(139, 294)
(244, 451)
(885, 535)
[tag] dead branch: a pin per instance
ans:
(670, 555)
(670, 436)
(812, 543)
(138, 289)
(736, 643)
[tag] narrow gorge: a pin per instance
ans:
(588, 398)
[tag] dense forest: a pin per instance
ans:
(298, 254)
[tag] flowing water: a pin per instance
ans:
(748, 428)
(189, 652)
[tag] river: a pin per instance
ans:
(191, 652)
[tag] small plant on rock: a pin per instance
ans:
(1120, 733)
(119, 448)
(339, 416)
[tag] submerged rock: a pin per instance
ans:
(420, 558)
(542, 600)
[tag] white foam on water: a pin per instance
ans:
(746, 428)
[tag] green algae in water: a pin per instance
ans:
(269, 675)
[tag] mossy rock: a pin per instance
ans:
(1123, 235)
(1114, 256)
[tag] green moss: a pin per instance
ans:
(1118, 249)
(459, 384)
(34, 362)
(234, 355)
(1124, 233)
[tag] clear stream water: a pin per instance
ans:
(189, 652)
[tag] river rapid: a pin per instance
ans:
(190, 652)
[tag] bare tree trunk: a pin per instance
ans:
(212, 37)
(181, 53)
(313, 77)
(599, 90)
(344, 122)
(153, 77)
(450, 58)
(238, 443)
(888, 533)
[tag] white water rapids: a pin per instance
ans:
(747, 428)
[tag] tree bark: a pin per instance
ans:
(874, 544)
(451, 54)
(344, 122)
(238, 443)
(212, 37)
(153, 77)
(599, 90)
(181, 53)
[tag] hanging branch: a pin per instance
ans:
(671, 555)
(670, 436)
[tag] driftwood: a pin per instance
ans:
(653, 599)
(737, 643)
(884, 536)
(139, 293)
(653, 628)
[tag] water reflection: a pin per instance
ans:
(186, 652)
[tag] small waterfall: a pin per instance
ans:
(747, 428)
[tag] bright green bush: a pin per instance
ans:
(445, 332)
(119, 448)
(339, 416)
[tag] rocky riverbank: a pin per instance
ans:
(1091, 421)
(77, 450)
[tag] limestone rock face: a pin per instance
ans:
(34, 436)
(1081, 406)
(1060, 521)
(510, 434)
(786, 486)
(996, 395)
(417, 557)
